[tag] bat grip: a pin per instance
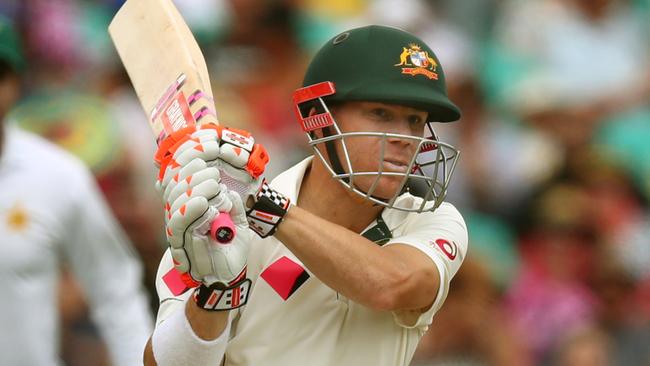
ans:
(222, 229)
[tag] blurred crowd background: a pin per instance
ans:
(554, 177)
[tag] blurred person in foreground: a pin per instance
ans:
(53, 214)
(351, 252)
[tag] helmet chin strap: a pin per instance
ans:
(332, 155)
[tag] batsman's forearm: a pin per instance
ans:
(344, 260)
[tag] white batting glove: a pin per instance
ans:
(193, 201)
(200, 144)
(240, 161)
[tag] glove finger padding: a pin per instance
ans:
(195, 165)
(189, 238)
(196, 149)
(201, 144)
(185, 173)
(178, 227)
(221, 202)
(238, 211)
(208, 190)
(234, 155)
(208, 134)
(203, 180)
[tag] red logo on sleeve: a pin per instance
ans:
(449, 248)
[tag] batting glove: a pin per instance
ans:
(194, 201)
(240, 161)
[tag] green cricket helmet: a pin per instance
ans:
(387, 65)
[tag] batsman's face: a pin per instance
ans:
(365, 152)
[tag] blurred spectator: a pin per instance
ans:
(572, 273)
(624, 137)
(566, 65)
(585, 347)
(53, 214)
(574, 52)
(504, 161)
(620, 311)
(550, 295)
(257, 66)
(472, 328)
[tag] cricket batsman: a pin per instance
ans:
(341, 260)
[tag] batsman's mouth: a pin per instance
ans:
(394, 165)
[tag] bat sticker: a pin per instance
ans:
(173, 108)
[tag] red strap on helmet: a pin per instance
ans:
(308, 93)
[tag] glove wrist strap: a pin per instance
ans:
(268, 211)
(218, 297)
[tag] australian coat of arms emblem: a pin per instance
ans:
(419, 61)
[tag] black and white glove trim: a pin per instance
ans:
(219, 298)
(268, 211)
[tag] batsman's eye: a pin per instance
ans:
(415, 120)
(381, 113)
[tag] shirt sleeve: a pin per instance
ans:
(442, 236)
(108, 269)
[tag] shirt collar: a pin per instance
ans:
(289, 181)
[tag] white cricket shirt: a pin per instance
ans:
(51, 212)
(292, 318)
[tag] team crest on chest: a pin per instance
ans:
(416, 61)
(17, 218)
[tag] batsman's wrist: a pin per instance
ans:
(268, 210)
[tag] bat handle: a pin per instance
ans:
(223, 229)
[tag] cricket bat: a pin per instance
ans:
(168, 72)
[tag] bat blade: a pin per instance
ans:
(165, 65)
(168, 73)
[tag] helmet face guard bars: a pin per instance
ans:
(427, 175)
